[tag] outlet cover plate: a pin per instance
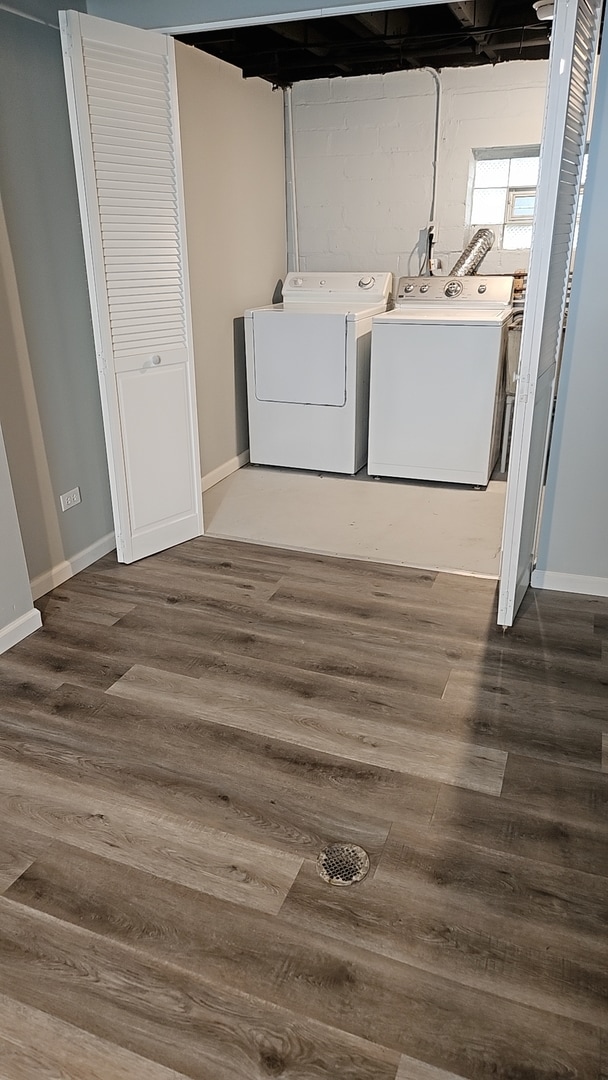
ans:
(70, 498)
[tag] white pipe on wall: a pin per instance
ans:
(293, 240)
(430, 238)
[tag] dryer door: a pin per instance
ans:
(300, 358)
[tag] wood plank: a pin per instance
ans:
(44, 654)
(18, 849)
(229, 759)
(398, 1005)
(184, 1022)
(295, 817)
(21, 687)
(499, 825)
(409, 1069)
(62, 603)
(554, 791)
(521, 714)
(457, 935)
(138, 834)
(62, 1050)
(447, 761)
(299, 641)
(517, 886)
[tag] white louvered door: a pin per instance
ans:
(122, 101)
(573, 52)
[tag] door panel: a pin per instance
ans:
(125, 130)
(300, 358)
(573, 54)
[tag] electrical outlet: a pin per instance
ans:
(70, 498)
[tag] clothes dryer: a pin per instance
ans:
(308, 371)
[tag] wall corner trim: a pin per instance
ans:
(573, 583)
(19, 629)
(212, 478)
(66, 569)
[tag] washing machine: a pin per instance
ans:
(308, 371)
(438, 379)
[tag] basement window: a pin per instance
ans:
(503, 195)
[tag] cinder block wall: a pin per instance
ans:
(364, 147)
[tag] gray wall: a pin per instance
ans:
(49, 400)
(573, 552)
(15, 593)
(171, 14)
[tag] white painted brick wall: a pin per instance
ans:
(363, 149)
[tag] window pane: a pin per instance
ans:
(492, 173)
(488, 206)
(524, 172)
(517, 236)
(584, 171)
(522, 206)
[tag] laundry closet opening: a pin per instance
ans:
(387, 175)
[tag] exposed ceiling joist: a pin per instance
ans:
(460, 33)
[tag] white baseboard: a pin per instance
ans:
(66, 569)
(19, 629)
(212, 478)
(575, 583)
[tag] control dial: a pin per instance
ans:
(453, 288)
(409, 287)
(424, 288)
(297, 282)
(366, 282)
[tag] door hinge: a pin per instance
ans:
(523, 388)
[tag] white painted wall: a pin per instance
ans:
(233, 163)
(573, 547)
(18, 617)
(49, 398)
(364, 149)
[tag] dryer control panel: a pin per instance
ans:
(475, 290)
(343, 287)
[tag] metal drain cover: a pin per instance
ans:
(342, 864)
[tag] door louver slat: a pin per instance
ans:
(118, 113)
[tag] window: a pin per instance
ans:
(504, 194)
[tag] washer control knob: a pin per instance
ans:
(323, 281)
(297, 283)
(409, 287)
(366, 282)
(453, 288)
(482, 288)
(156, 360)
(424, 288)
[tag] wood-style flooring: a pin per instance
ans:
(185, 734)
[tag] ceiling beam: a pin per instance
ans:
(473, 13)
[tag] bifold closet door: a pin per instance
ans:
(122, 99)
(573, 53)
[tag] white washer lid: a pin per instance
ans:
(438, 315)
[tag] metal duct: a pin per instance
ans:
(473, 254)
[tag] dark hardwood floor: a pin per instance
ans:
(185, 734)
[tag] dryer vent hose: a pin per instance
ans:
(474, 254)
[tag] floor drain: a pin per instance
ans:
(343, 864)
